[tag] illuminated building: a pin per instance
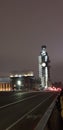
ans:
(44, 67)
(5, 84)
(22, 81)
(17, 81)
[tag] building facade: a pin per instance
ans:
(5, 84)
(17, 81)
(44, 68)
(23, 81)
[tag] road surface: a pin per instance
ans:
(23, 110)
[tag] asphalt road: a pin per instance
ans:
(22, 110)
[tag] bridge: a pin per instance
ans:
(33, 110)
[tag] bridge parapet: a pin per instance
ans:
(50, 120)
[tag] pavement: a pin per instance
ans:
(55, 122)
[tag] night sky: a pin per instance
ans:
(26, 25)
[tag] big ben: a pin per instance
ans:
(44, 67)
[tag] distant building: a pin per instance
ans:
(17, 81)
(5, 84)
(23, 81)
(44, 68)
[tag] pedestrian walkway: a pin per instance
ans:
(55, 122)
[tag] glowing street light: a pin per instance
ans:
(19, 82)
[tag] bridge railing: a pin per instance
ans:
(43, 122)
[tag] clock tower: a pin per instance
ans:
(44, 67)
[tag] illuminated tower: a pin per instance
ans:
(44, 67)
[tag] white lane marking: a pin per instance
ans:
(18, 101)
(27, 113)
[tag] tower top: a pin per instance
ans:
(44, 46)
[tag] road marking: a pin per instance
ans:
(18, 101)
(12, 125)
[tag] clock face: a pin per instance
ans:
(43, 64)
